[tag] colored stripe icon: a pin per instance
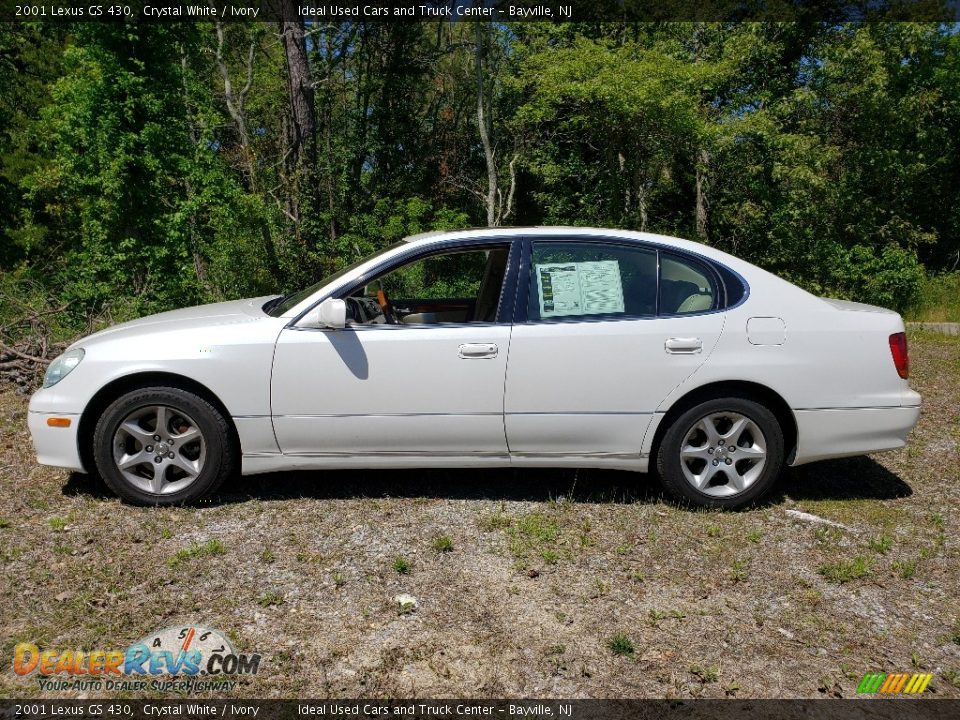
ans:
(894, 683)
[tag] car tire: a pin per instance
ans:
(723, 453)
(163, 446)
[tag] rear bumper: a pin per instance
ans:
(842, 432)
(55, 446)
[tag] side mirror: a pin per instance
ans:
(333, 313)
(330, 313)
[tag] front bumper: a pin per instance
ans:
(843, 432)
(55, 446)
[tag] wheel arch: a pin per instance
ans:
(761, 394)
(117, 387)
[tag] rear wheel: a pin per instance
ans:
(723, 453)
(162, 446)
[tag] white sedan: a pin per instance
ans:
(540, 347)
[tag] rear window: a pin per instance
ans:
(686, 287)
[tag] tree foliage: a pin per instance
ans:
(147, 166)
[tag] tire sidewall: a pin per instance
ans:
(217, 462)
(669, 464)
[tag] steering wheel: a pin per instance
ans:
(384, 302)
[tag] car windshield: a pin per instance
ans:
(279, 306)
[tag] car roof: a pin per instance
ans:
(565, 231)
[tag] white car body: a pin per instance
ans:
(584, 394)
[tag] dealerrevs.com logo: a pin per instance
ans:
(177, 658)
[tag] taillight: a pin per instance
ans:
(898, 348)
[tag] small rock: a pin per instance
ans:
(406, 603)
(807, 517)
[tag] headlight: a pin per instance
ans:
(62, 366)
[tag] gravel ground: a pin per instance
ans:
(529, 583)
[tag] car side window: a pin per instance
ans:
(581, 280)
(459, 286)
(685, 287)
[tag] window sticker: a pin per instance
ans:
(579, 288)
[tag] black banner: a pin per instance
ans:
(894, 708)
(832, 11)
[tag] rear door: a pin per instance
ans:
(605, 330)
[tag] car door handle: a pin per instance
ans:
(689, 346)
(471, 351)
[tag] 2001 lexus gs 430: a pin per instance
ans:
(484, 348)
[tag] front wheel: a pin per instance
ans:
(723, 453)
(162, 446)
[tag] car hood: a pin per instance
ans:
(213, 315)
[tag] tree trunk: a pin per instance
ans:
(301, 131)
(484, 124)
(236, 107)
(703, 194)
(702, 206)
(198, 262)
(301, 124)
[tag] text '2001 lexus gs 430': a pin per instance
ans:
(539, 347)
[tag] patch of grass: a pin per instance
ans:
(267, 555)
(713, 530)
(58, 524)
(880, 544)
(824, 535)
(846, 570)
(11, 554)
(550, 557)
(558, 649)
(339, 579)
(498, 520)
(270, 599)
(708, 674)
(936, 519)
(955, 635)
(906, 568)
(952, 676)
(401, 565)
(621, 645)
(636, 575)
(166, 533)
(534, 535)
(210, 548)
(442, 544)
(939, 299)
(4, 523)
(738, 571)
(755, 535)
(537, 526)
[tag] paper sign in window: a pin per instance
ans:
(579, 288)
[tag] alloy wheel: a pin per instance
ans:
(159, 449)
(723, 454)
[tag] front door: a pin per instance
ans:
(418, 371)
